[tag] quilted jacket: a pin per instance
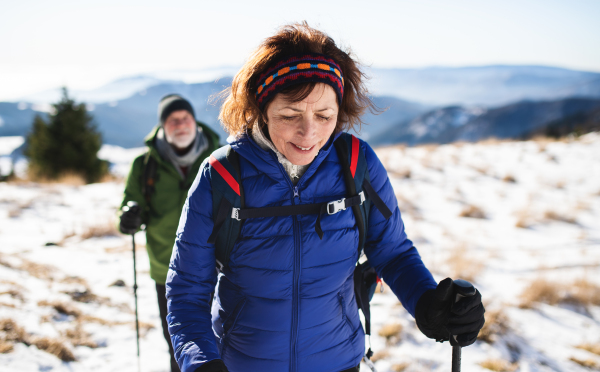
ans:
(286, 301)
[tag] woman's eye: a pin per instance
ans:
(325, 118)
(288, 118)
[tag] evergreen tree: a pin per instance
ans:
(67, 144)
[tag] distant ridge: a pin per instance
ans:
(517, 120)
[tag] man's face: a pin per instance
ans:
(180, 129)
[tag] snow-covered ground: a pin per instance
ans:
(501, 214)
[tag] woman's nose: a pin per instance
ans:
(308, 126)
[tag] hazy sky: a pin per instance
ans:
(85, 44)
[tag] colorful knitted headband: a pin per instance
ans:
(303, 68)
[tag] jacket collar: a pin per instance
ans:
(266, 161)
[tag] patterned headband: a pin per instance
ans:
(299, 69)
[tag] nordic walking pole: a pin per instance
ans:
(131, 205)
(463, 289)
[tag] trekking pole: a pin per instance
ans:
(132, 205)
(463, 289)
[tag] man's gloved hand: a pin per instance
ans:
(439, 317)
(131, 218)
(215, 365)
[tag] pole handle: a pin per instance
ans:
(463, 289)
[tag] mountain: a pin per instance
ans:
(127, 121)
(517, 120)
(488, 86)
(16, 118)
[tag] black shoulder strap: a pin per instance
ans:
(228, 195)
(150, 172)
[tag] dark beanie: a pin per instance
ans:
(171, 103)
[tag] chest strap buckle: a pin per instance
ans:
(336, 206)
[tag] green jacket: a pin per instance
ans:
(161, 214)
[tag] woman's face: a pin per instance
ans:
(299, 129)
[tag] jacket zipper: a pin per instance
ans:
(296, 283)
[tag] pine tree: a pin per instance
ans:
(67, 144)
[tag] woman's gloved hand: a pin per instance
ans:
(215, 365)
(439, 317)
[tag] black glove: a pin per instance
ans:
(131, 218)
(215, 365)
(439, 317)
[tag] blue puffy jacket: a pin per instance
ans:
(286, 300)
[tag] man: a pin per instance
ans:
(159, 181)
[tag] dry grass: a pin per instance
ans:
(383, 354)
(78, 337)
(463, 265)
(592, 348)
(391, 332)
(496, 324)
(472, 211)
(54, 346)
(509, 178)
(67, 178)
(400, 367)
(108, 229)
(555, 216)
(581, 292)
(525, 219)
(11, 333)
(62, 308)
(499, 365)
(587, 363)
(402, 173)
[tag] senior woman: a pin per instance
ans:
(285, 299)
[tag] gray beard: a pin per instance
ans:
(166, 151)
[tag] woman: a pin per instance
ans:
(285, 300)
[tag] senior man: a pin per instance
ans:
(159, 181)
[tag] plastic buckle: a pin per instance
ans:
(336, 206)
(362, 197)
(235, 213)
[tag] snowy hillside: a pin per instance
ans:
(519, 219)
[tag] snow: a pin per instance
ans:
(549, 188)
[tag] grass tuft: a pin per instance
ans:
(496, 324)
(499, 365)
(472, 211)
(581, 292)
(100, 231)
(391, 332)
(587, 363)
(592, 348)
(56, 347)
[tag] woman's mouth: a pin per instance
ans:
(303, 148)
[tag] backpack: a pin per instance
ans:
(229, 212)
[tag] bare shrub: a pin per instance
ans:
(54, 346)
(391, 332)
(540, 290)
(463, 265)
(592, 348)
(496, 324)
(472, 211)
(100, 231)
(498, 365)
(587, 363)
